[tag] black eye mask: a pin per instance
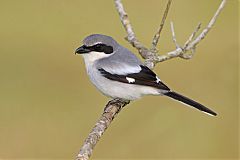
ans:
(100, 48)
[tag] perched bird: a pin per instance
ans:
(118, 73)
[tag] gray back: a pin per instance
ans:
(122, 61)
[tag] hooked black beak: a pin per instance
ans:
(81, 50)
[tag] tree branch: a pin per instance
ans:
(110, 112)
(151, 58)
(131, 38)
(190, 44)
(157, 35)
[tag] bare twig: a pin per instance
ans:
(131, 38)
(126, 23)
(209, 26)
(151, 58)
(157, 35)
(110, 112)
(192, 36)
(190, 44)
(174, 36)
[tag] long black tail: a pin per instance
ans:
(190, 102)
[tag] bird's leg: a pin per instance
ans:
(117, 103)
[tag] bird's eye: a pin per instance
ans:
(102, 48)
(98, 48)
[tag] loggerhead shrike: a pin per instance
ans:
(118, 73)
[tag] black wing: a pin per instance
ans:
(145, 77)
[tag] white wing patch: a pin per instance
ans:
(158, 80)
(130, 80)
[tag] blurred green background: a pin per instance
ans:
(48, 105)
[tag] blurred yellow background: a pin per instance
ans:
(48, 105)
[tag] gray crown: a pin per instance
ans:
(99, 38)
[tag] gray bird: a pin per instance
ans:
(118, 73)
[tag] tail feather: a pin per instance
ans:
(190, 102)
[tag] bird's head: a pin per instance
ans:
(97, 46)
